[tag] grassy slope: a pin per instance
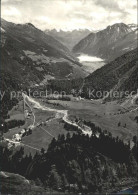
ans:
(103, 115)
(39, 137)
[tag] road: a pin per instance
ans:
(59, 114)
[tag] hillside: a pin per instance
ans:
(123, 45)
(118, 75)
(35, 56)
(108, 43)
(68, 38)
(28, 58)
(72, 164)
(16, 184)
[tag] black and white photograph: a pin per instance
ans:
(68, 97)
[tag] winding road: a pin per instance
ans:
(59, 114)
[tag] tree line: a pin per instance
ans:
(77, 163)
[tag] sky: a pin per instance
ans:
(70, 14)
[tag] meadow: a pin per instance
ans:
(110, 116)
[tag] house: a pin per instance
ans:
(31, 127)
(80, 98)
(22, 131)
(17, 137)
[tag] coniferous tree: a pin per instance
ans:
(54, 178)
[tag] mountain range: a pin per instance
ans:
(109, 43)
(31, 56)
(68, 38)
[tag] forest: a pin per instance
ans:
(77, 163)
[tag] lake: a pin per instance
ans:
(90, 63)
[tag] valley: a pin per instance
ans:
(43, 124)
(47, 119)
(68, 38)
(69, 106)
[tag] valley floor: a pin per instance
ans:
(111, 116)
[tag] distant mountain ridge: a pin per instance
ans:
(68, 38)
(106, 43)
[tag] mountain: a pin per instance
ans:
(124, 44)
(31, 56)
(120, 75)
(108, 43)
(68, 38)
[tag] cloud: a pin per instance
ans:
(108, 4)
(11, 2)
(11, 11)
(69, 14)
